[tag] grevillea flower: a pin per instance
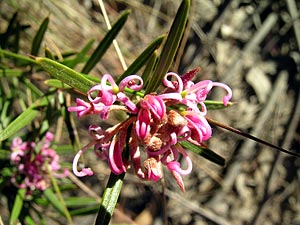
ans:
(150, 137)
(31, 162)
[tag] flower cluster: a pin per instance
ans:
(150, 137)
(31, 161)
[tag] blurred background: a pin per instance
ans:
(253, 46)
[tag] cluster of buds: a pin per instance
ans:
(150, 137)
(31, 160)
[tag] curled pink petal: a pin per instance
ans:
(176, 85)
(175, 166)
(227, 97)
(84, 171)
(134, 82)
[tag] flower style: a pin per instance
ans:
(150, 137)
(31, 161)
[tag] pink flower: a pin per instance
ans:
(155, 127)
(31, 163)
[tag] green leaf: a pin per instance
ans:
(65, 74)
(23, 119)
(17, 56)
(57, 84)
(80, 56)
(149, 68)
(170, 47)
(38, 38)
(9, 31)
(110, 198)
(18, 205)
(10, 73)
(29, 220)
(213, 105)
(105, 43)
(142, 58)
(49, 194)
(85, 210)
(80, 201)
(204, 152)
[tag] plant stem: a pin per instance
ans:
(247, 135)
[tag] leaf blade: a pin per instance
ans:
(170, 47)
(204, 152)
(105, 43)
(39, 36)
(142, 58)
(18, 205)
(65, 74)
(23, 119)
(110, 198)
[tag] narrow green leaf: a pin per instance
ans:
(213, 105)
(142, 58)
(29, 220)
(54, 201)
(65, 74)
(38, 38)
(204, 152)
(10, 73)
(87, 210)
(23, 119)
(170, 47)
(81, 55)
(80, 201)
(110, 198)
(18, 205)
(33, 87)
(9, 31)
(149, 68)
(17, 56)
(105, 43)
(56, 84)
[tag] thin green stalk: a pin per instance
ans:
(59, 195)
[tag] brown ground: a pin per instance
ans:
(251, 46)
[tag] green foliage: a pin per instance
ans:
(30, 115)
(204, 152)
(169, 50)
(105, 43)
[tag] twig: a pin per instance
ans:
(249, 136)
(115, 43)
